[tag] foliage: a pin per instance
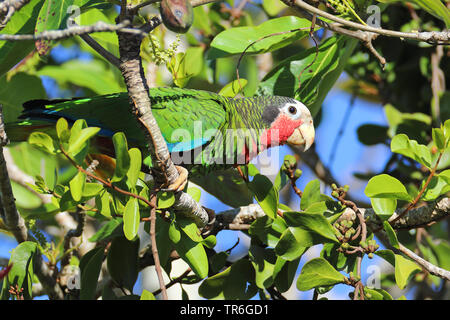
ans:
(120, 197)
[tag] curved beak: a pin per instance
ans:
(303, 135)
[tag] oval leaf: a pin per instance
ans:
(318, 272)
(131, 219)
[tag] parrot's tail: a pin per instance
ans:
(34, 117)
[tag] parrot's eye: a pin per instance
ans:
(292, 110)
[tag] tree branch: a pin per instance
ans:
(100, 50)
(13, 221)
(416, 217)
(8, 8)
(16, 224)
(164, 170)
(73, 31)
(434, 37)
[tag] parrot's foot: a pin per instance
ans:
(181, 181)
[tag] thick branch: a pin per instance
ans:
(16, 224)
(13, 221)
(164, 170)
(434, 37)
(417, 217)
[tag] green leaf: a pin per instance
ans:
(232, 283)
(310, 222)
(289, 248)
(110, 229)
(392, 236)
(79, 73)
(103, 203)
(122, 156)
(78, 140)
(218, 261)
(42, 140)
(439, 138)
(184, 66)
(174, 232)
(131, 219)
(21, 273)
(236, 40)
(339, 260)
(438, 185)
(434, 7)
(446, 128)
(123, 262)
(265, 194)
(92, 189)
(52, 16)
(384, 207)
(16, 90)
(404, 268)
(318, 272)
(210, 241)
(268, 230)
(273, 7)
(25, 199)
(77, 185)
(263, 260)
(195, 193)
(311, 194)
(135, 166)
(189, 228)
(62, 130)
(284, 273)
(411, 148)
(371, 134)
(165, 199)
(147, 295)
(163, 242)
(193, 253)
(90, 266)
(283, 80)
(385, 186)
(233, 88)
(376, 294)
(442, 252)
(22, 22)
(225, 185)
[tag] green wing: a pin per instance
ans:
(177, 111)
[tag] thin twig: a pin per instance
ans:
(106, 183)
(73, 233)
(174, 281)
(73, 31)
(437, 83)
(421, 192)
(100, 50)
(155, 254)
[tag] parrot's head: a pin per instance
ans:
(291, 121)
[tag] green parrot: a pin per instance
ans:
(204, 131)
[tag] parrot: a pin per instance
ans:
(204, 131)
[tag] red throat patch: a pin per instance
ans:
(282, 128)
